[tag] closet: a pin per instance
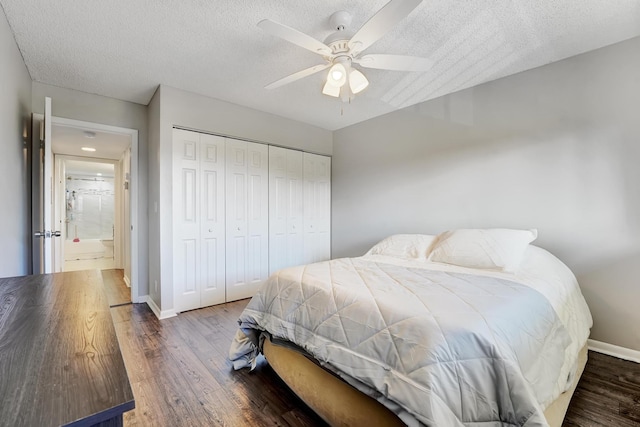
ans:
(198, 220)
(247, 217)
(286, 207)
(241, 211)
(317, 207)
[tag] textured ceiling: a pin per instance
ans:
(125, 48)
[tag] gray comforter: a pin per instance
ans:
(442, 348)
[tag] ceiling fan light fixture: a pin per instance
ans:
(337, 75)
(357, 81)
(342, 48)
(331, 90)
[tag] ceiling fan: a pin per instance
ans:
(340, 51)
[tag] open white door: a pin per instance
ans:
(59, 213)
(43, 176)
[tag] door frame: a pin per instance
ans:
(133, 188)
(60, 204)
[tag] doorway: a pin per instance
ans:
(85, 201)
(73, 144)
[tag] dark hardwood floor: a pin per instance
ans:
(608, 394)
(118, 293)
(180, 375)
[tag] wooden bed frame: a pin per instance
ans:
(339, 404)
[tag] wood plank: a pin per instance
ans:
(607, 394)
(118, 293)
(60, 361)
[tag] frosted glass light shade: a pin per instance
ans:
(357, 81)
(337, 75)
(331, 90)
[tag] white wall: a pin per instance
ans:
(179, 108)
(15, 181)
(556, 148)
(73, 104)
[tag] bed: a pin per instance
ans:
(467, 328)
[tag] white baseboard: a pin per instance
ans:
(139, 300)
(615, 351)
(127, 281)
(160, 314)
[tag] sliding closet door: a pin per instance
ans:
(286, 221)
(258, 216)
(198, 233)
(295, 214)
(317, 208)
(247, 218)
(212, 224)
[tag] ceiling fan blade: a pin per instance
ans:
(297, 76)
(294, 36)
(392, 13)
(394, 62)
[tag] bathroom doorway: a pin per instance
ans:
(89, 223)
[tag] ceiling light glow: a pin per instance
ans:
(337, 75)
(91, 149)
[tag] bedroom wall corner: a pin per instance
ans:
(555, 148)
(15, 129)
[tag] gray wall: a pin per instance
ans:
(15, 184)
(556, 148)
(185, 109)
(73, 104)
(153, 118)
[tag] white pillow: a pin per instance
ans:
(412, 246)
(496, 248)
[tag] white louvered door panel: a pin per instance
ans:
(186, 219)
(317, 208)
(247, 218)
(278, 207)
(212, 224)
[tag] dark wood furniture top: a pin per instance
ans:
(60, 362)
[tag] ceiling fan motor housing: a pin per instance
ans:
(340, 20)
(338, 41)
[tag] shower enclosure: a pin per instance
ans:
(90, 202)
